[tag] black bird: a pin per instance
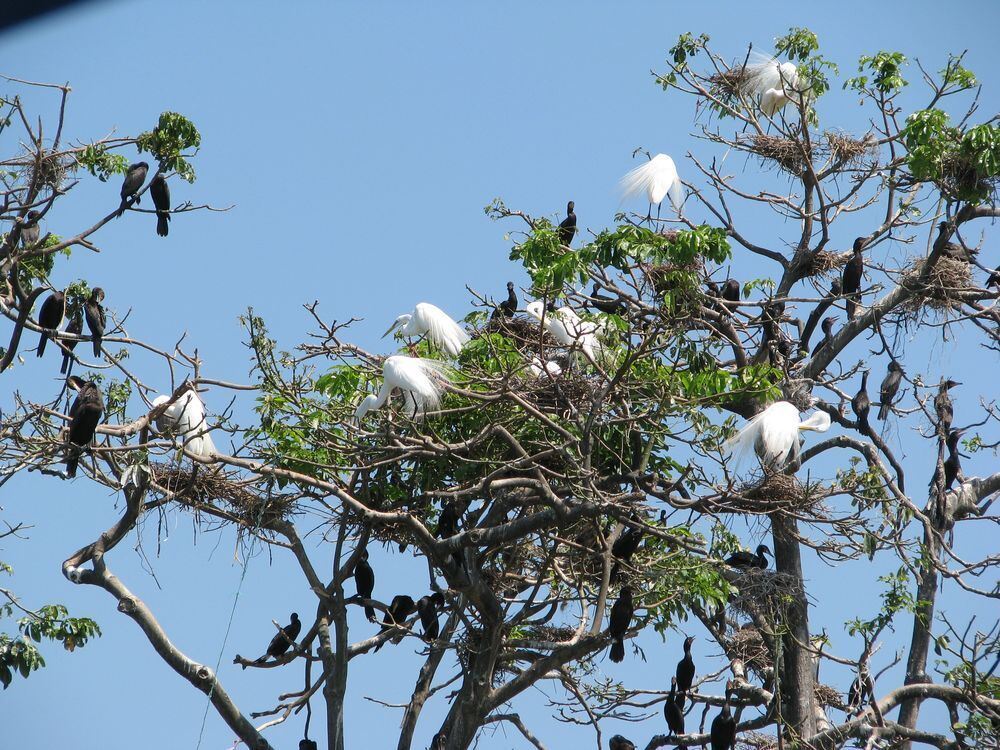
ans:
(861, 689)
(621, 618)
(364, 579)
(159, 191)
(623, 549)
(307, 745)
(744, 559)
(96, 319)
(993, 280)
(76, 327)
(827, 326)
(448, 520)
(713, 289)
(84, 416)
(283, 640)
(400, 608)
(943, 406)
(851, 279)
(731, 290)
(509, 306)
(567, 227)
(134, 177)
(723, 732)
(427, 609)
(607, 304)
(620, 743)
(50, 317)
(672, 712)
(30, 231)
(685, 667)
(890, 386)
(861, 403)
(952, 464)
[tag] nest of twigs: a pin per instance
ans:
(663, 278)
(764, 593)
(728, 84)
(747, 645)
(784, 152)
(564, 393)
(823, 263)
(847, 150)
(828, 696)
(755, 741)
(960, 176)
(525, 332)
(199, 487)
(46, 173)
(776, 491)
(941, 291)
(549, 633)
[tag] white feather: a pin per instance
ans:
(433, 322)
(656, 178)
(185, 418)
(774, 434)
(568, 328)
(420, 380)
(550, 368)
(775, 82)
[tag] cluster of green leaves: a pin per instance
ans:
(896, 598)
(101, 162)
(964, 164)
(801, 46)
(36, 268)
(883, 71)
(688, 45)
(173, 135)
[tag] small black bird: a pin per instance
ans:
(889, 388)
(96, 319)
(952, 464)
(861, 403)
(607, 304)
(672, 711)
(364, 579)
(620, 743)
(731, 290)
(567, 227)
(448, 520)
(84, 416)
(283, 640)
(50, 317)
(159, 191)
(851, 279)
(623, 549)
(509, 306)
(744, 559)
(618, 624)
(943, 406)
(723, 732)
(400, 608)
(427, 609)
(30, 231)
(134, 177)
(76, 327)
(827, 326)
(685, 667)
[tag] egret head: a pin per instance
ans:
(535, 309)
(401, 321)
(364, 407)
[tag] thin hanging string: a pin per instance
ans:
(232, 615)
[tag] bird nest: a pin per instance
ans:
(961, 176)
(664, 280)
(772, 493)
(567, 392)
(764, 593)
(48, 172)
(747, 645)
(784, 152)
(728, 84)
(942, 289)
(548, 633)
(823, 263)
(847, 150)
(201, 488)
(755, 741)
(526, 333)
(828, 696)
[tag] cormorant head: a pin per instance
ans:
(763, 550)
(510, 286)
(295, 617)
(97, 295)
(570, 206)
(143, 165)
(828, 325)
(437, 599)
(687, 643)
(859, 244)
(948, 384)
(894, 366)
(75, 382)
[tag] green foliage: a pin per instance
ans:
(895, 598)
(168, 141)
(955, 76)
(798, 44)
(883, 70)
(964, 165)
(688, 45)
(101, 162)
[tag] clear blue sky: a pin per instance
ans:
(358, 144)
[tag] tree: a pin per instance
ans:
(537, 495)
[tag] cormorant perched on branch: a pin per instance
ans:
(400, 608)
(731, 291)
(134, 177)
(620, 743)
(889, 388)
(723, 732)
(685, 667)
(621, 618)
(159, 191)
(861, 403)
(827, 326)
(364, 579)
(428, 608)
(861, 689)
(952, 464)
(96, 319)
(50, 317)
(673, 709)
(943, 406)
(30, 231)
(623, 549)
(84, 416)
(76, 327)
(851, 279)
(283, 640)
(744, 559)
(508, 307)
(567, 227)
(607, 304)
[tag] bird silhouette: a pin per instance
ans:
(889, 388)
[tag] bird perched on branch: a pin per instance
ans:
(861, 403)
(30, 231)
(159, 191)
(50, 317)
(943, 406)
(685, 667)
(774, 434)
(567, 227)
(75, 327)
(606, 304)
(723, 731)
(673, 710)
(185, 418)
(620, 743)
(508, 307)
(134, 177)
(657, 178)
(743, 559)
(851, 279)
(283, 640)
(96, 318)
(775, 82)
(84, 416)
(889, 388)
(420, 380)
(364, 579)
(827, 326)
(568, 328)
(618, 623)
(400, 608)
(952, 464)
(434, 323)
(427, 609)
(624, 547)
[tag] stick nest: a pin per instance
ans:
(847, 150)
(748, 645)
(942, 289)
(824, 263)
(764, 592)
(728, 84)
(525, 332)
(567, 392)
(785, 152)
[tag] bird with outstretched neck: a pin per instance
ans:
(952, 464)
(434, 323)
(567, 227)
(827, 327)
(508, 307)
(618, 623)
(420, 380)
(685, 667)
(673, 711)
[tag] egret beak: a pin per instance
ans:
(391, 328)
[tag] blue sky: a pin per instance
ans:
(358, 144)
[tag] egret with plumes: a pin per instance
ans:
(434, 323)
(420, 380)
(185, 418)
(774, 434)
(568, 328)
(657, 179)
(775, 82)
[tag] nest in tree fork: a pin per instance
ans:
(824, 263)
(728, 84)
(526, 333)
(747, 645)
(201, 487)
(773, 493)
(569, 391)
(847, 150)
(785, 152)
(764, 593)
(948, 278)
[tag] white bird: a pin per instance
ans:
(550, 368)
(433, 322)
(774, 434)
(420, 380)
(185, 418)
(776, 83)
(568, 328)
(656, 178)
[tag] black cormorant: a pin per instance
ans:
(134, 177)
(623, 549)
(96, 319)
(744, 559)
(364, 579)
(827, 326)
(84, 416)
(427, 609)
(943, 407)
(672, 712)
(861, 403)
(509, 306)
(159, 191)
(952, 464)
(50, 317)
(607, 304)
(282, 641)
(685, 667)
(400, 608)
(723, 732)
(567, 227)
(621, 618)
(851, 279)
(889, 388)
(76, 327)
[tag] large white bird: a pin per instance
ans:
(567, 327)
(657, 178)
(433, 322)
(551, 368)
(774, 434)
(775, 82)
(185, 418)
(420, 380)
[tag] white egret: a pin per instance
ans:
(657, 178)
(185, 418)
(550, 368)
(774, 434)
(775, 82)
(433, 322)
(420, 380)
(568, 328)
